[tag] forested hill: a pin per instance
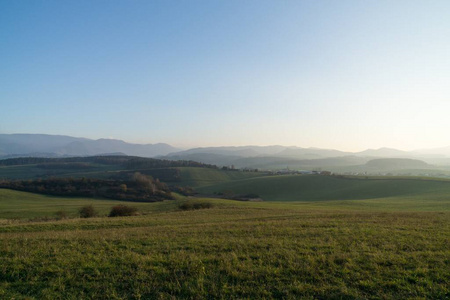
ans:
(100, 167)
(400, 163)
(116, 177)
(129, 162)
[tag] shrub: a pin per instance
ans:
(88, 211)
(197, 205)
(185, 206)
(61, 214)
(183, 190)
(122, 210)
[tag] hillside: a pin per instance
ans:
(296, 158)
(269, 158)
(24, 205)
(384, 152)
(208, 179)
(198, 177)
(100, 167)
(396, 163)
(320, 188)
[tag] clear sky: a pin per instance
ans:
(348, 75)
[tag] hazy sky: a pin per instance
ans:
(332, 74)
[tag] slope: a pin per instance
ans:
(319, 188)
(198, 177)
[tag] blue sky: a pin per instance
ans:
(333, 74)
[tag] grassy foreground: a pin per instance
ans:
(233, 250)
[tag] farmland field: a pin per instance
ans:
(198, 177)
(353, 249)
(22, 205)
(318, 188)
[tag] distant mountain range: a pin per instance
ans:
(262, 157)
(44, 145)
(296, 158)
(292, 152)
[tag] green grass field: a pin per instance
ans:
(199, 177)
(319, 188)
(233, 250)
(22, 205)
(26, 206)
(365, 239)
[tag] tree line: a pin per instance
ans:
(128, 162)
(138, 187)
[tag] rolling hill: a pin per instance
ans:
(267, 158)
(321, 188)
(396, 163)
(44, 145)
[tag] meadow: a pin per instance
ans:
(15, 205)
(313, 237)
(320, 188)
(354, 249)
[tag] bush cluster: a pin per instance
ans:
(61, 214)
(196, 205)
(122, 210)
(88, 211)
(183, 190)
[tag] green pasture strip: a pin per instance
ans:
(247, 250)
(197, 177)
(319, 188)
(23, 205)
(398, 177)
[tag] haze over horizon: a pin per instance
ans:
(181, 148)
(347, 75)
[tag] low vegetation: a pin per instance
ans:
(88, 211)
(350, 238)
(61, 214)
(234, 250)
(320, 188)
(189, 205)
(23, 206)
(122, 211)
(137, 188)
(201, 177)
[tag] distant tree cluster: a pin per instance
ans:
(183, 190)
(24, 161)
(106, 160)
(129, 162)
(163, 174)
(65, 165)
(137, 188)
(149, 163)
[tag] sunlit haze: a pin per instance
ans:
(348, 75)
